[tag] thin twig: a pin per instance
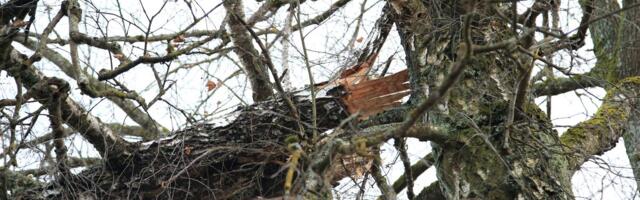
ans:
(401, 147)
(312, 90)
(45, 34)
(272, 69)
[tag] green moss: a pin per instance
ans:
(535, 112)
(605, 118)
(631, 80)
(610, 117)
(606, 35)
(291, 139)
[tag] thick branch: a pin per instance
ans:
(99, 89)
(432, 192)
(557, 86)
(250, 58)
(108, 144)
(420, 167)
(602, 131)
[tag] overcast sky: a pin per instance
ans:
(330, 46)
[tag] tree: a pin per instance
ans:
(470, 71)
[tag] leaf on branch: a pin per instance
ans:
(179, 38)
(211, 85)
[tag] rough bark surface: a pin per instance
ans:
(484, 167)
(251, 60)
(241, 160)
(630, 67)
(490, 141)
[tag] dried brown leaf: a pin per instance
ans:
(211, 85)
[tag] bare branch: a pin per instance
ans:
(126, 66)
(417, 169)
(108, 144)
(58, 90)
(388, 193)
(95, 88)
(557, 86)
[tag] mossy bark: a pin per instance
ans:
(533, 165)
(630, 67)
(616, 47)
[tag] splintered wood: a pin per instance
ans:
(373, 96)
(365, 96)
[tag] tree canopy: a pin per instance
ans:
(276, 99)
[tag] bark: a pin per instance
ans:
(110, 145)
(532, 165)
(240, 160)
(251, 60)
(617, 47)
(490, 141)
(630, 67)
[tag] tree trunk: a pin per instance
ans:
(490, 141)
(617, 47)
(510, 149)
(630, 67)
(251, 60)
